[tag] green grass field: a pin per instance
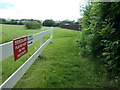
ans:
(10, 32)
(61, 65)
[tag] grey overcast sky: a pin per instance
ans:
(41, 9)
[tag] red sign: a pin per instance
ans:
(20, 46)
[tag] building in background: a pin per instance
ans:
(72, 26)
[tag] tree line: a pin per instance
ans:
(33, 24)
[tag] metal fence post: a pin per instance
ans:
(42, 40)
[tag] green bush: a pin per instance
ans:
(101, 34)
(48, 22)
(33, 24)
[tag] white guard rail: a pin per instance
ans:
(7, 50)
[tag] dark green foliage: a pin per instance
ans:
(48, 22)
(66, 22)
(79, 20)
(12, 21)
(16, 21)
(2, 20)
(101, 34)
(56, 24)
(20, 23)
(33, 25)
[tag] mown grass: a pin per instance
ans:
(10, 32)
(61, 66)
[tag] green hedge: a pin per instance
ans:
(101, 34)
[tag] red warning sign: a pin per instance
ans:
(20, 46)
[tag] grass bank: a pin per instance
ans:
(61, 66)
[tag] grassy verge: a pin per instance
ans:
(10, 32)
(61, 66)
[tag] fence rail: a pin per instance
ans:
(13, 79)
(7, 48)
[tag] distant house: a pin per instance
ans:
(71, 26)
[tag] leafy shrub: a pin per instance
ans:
(101, 34)
(33, 25)
(48, 22)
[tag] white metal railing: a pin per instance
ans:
(7, 50)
